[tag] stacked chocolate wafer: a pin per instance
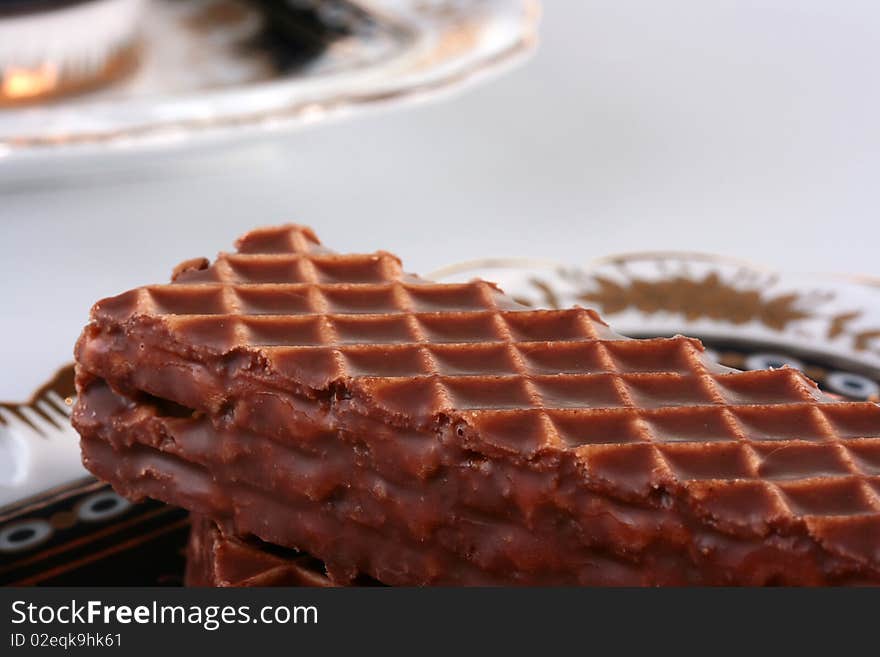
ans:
(425, 433)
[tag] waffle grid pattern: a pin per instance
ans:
(634, 411)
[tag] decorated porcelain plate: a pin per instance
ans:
(59, 526)
(210, 69)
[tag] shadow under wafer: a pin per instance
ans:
(215, 559)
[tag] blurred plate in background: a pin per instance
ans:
(222, 69)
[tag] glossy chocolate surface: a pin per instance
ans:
(501, 444)
(215, 559)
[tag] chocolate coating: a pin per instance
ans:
(452, 436)
(216, 559)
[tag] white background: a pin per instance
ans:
(750, 129)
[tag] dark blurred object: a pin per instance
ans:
(296, 31)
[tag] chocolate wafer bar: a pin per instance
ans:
(427, 433)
